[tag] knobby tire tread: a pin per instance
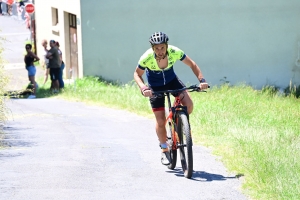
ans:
(184, 130)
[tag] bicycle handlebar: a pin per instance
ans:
(192, 88)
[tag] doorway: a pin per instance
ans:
(73, 46)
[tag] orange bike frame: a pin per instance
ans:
(176, 103)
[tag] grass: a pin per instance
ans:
(3, 82)
(97, 91)
(255, 133)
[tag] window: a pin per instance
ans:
(55, 27)
(54, 16)
(72, 21)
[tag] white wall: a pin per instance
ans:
(250, 41)
(43, 16)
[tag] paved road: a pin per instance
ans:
(68, 150)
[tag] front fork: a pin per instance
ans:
(174, 123)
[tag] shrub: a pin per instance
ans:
(292, 90)
(3, 83)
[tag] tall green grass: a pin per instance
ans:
(3, 83)
(256, 133)
(98, 91)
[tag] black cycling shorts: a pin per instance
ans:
(54, 73)
(158, 104)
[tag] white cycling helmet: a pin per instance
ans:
(158, 38)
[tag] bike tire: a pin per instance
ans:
(185, 144)
(173, 152)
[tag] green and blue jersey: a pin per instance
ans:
(155, 75)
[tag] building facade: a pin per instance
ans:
(59, 20)
(253, 42)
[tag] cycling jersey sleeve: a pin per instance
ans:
(146, 59)
(141, 67)
(177, 53)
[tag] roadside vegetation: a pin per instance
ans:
(255, 133)
(3, 82)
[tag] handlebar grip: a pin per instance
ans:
(200, 90)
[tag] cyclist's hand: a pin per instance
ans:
(147, 92)
(203, 85)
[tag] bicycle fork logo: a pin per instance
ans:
(175, 137)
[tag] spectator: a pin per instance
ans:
(54, 65)
(0, 7)
(29, 60)
(9, 6)
(62, 67)
(20, 8)
(45, 61)
(4, 6)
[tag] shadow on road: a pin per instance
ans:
(204, 176)
(23, 94)
(18, 94)
(11, 138)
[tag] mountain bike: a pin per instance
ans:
(178, 129)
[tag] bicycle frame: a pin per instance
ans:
(178, 129)
(172, 116)
(175, 108)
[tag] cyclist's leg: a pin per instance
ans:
(187, 101)
(185, 97)
(158, 108)
(160, 126)
(162, 137)
(157, 105)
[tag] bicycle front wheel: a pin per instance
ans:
(185, 144)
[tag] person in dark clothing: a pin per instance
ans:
(0, 7)
(62, 67)
(54, 65)
(29, 60)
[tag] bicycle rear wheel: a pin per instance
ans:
(185, 144)
(173, 152)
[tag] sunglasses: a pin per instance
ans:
(27, 47)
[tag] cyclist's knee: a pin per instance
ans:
(188, 102)
(190, 108)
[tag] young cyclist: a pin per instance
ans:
(158, 62)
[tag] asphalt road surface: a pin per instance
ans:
(57, 149)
